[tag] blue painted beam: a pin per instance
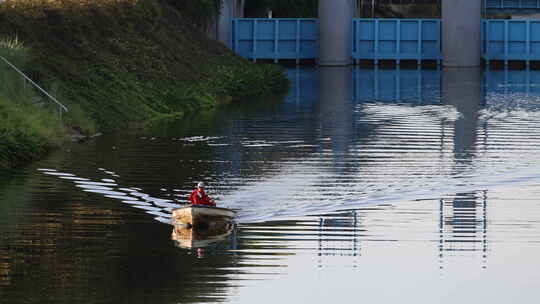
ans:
(276, 39)
(507, 40)
(396, 39)
(382, 39)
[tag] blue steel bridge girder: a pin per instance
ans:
(460, 39)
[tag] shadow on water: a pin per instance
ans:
(336, 109)
(359, 181)
(462, 89)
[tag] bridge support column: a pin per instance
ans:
(230, 9)
(461, 38)
(335, 31)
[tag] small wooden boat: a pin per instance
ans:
(201, 237)
(198, 215)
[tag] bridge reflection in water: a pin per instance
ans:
(472, 93)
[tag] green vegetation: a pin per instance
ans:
(27, 131)
(121, 63)
(126, 62)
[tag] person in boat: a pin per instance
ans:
(199, 197)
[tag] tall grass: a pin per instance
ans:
(12, 86)
(27, 131)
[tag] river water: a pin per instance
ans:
(373, 185)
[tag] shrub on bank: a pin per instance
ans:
(27, 131)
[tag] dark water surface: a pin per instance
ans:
(380, 186)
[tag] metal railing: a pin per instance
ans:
(61, 107)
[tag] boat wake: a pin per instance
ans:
(291, 195)
(304, 195)
(160, 208)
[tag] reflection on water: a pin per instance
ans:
(462, 89)
(336, 109)
(463, 224)
(398, 185)
(397, 85)
(201, 237)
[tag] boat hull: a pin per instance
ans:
(196, 215)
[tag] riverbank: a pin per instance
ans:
(27, 133)
(119, 64)
(28, 129)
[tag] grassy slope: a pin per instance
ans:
(130, 61)
(26, 133)
(118, 63)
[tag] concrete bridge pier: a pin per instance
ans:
(335, 31)
(461, 39)
(222, 28)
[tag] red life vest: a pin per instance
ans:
(199, 197)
